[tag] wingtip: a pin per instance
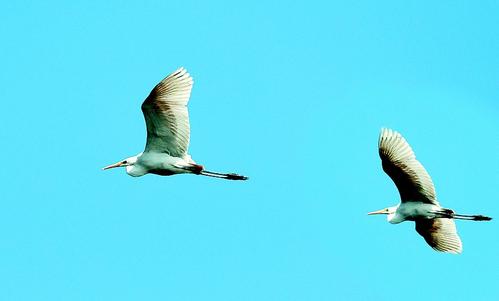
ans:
(388, 131)
(182, 72)
(385, 132)
(389, 134)
(179, 71)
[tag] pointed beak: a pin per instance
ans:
(382, 211)
(119, 164)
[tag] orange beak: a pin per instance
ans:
(382, 211)
(119, 164)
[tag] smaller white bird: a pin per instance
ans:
(417, 193)
(168, 133)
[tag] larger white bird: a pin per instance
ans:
(168, 133)
(417, 193)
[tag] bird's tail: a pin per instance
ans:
(448, 213)
(227, 176)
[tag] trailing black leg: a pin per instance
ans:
(448, 213)
(227, 176)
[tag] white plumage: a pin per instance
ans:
(168, 132)
(166, 115)
(417, 194)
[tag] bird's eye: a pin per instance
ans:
(124, 162)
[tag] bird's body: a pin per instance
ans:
(418, 198)
(158, 163)
(411, 211)
(168, 133)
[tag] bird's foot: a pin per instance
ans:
(234, 176)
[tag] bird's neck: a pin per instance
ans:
(136, 170)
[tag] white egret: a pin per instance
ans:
(168, 133)
(417, 193)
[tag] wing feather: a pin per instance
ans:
(166, 115)
(440, 234)
(399, 162)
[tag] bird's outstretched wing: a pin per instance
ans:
(166, 115)
(399, 162)
(440, 234)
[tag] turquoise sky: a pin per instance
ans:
(292, 94)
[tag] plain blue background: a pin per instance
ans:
(292, 94)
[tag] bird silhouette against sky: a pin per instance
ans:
(168, 133)
(417, 194)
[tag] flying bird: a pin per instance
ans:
(168, 133)
(417, 194)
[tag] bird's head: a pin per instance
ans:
(390, 211)
(123, 163)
